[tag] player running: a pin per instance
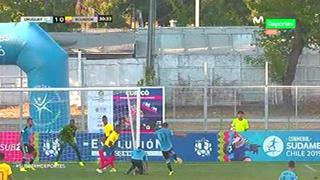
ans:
(5, 169)
(27, 146)
(165, 137)
(68, 136)
(289, 174)
(108, 147)
(139, 161)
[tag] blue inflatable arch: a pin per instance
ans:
(28, 46)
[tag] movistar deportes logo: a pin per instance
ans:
(203, 147)
(273, 146)
(258, 20)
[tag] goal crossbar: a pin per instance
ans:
(44, 89)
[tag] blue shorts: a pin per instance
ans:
(168, 154)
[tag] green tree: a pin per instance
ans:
(284, 50)
(59, 8)
(182, 11)
(116, 8)
(213, 12)
(164, 10)
(11, 11)
(224, 13)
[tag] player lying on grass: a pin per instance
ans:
(68, 136)
(109, 146)
(289, 174)
(5, 169)
(164, 136)
(27, 146)
(139, 161)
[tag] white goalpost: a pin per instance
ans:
(135, 130)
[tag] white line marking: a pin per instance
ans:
(310, 168)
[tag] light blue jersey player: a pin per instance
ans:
(289, 174)
(27, 146)
(164, 136)
(139, 161)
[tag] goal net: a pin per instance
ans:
(52, 109)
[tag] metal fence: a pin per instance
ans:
(266, 107)
(206, 108)
(50, 105)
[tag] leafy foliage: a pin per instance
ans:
(114, 7)
(284, 50)
(183, 11)
(213, 12)
(12, 10)
(224, 13)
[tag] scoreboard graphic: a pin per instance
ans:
(67, 19)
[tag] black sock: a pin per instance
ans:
(169, 166)
(31, 161)
(23, 161)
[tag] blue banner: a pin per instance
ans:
(193, 147)
(269, 146)
(197, 147)
(49, 110)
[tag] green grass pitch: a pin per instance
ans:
(186, 171)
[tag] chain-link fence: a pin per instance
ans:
(212, 108)
(201, 108)
(51, 109)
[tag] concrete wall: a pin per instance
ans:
(180, 54)
(111, 72)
